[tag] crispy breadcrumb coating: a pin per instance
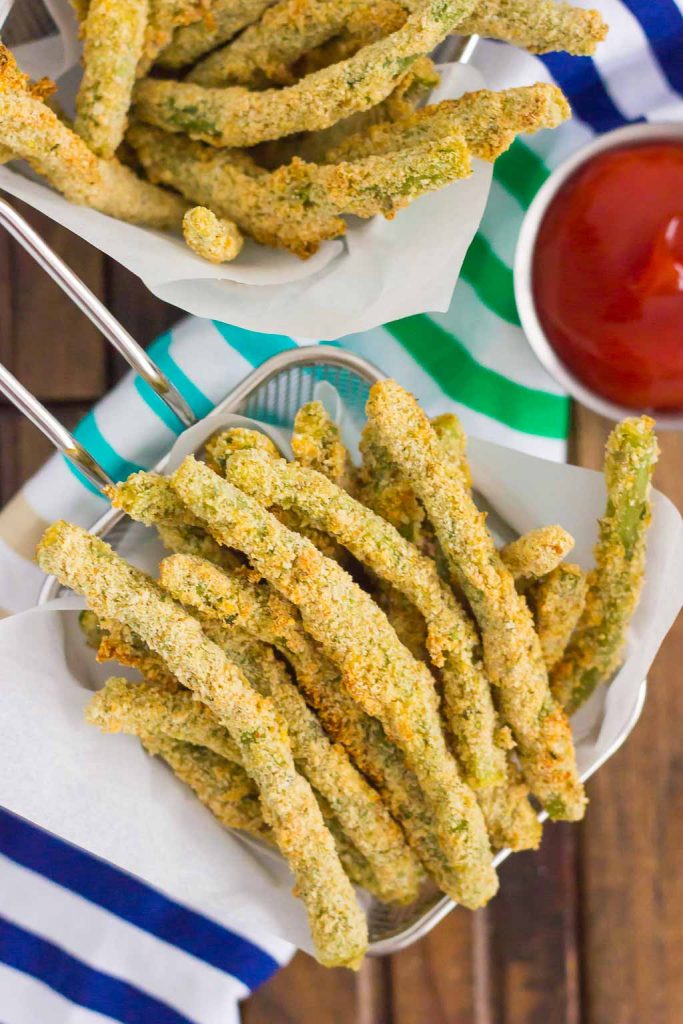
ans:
(614, 585)
(378, 671)
(451, 638)
(213, 238)
(558, 601)
(114, 33)
(512, 652)
(236, 116)
(537, 552)
(117, 591)
(33, 132)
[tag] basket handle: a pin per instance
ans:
(53, 430)
(96, 311)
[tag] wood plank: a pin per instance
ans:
(143, 315)
(534, 934)
(23, 449)
(306, 993)
(53, 348)
(442, 978)
(632, 883)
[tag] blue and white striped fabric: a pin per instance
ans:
(82, 942)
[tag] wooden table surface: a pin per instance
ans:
(589, 930)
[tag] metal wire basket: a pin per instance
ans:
(272, 393)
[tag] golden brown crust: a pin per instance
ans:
(114, 32)
(451, 638)
(537, 552)
(614, 585)
(235, 116)
(558, 601)
(539, 26)
(117, 591)
(33, 132)
(489, 122)
(213, 238)
(378, 671)
(512, 650)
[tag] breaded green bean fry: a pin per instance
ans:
(388, 493)
(365, 25)
(358, 811)
(410, 92)
(156, 717)
(33, 132)
(235, 188)
(213, 238)
(451, 638)
(120, 643)
(537, 552)
(114, 34)
(150, 499)
(208, 775)
(510, 819)
(378, 671)
(315, 147)
(222, 446)
(299, 205)
(257, 608)
(219, 448)
(165, 16)
(317, 444)
(512, 651)
(453, 438)
(350, 798)
(355, 864)
(489, 121)
(265, 51)
(614, 585)
(539, 26)
(558, 601)
(224, 19)
(116, 590)
(235, 116)
(141, 708)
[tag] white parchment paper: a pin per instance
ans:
(381, 270)
(104, 794)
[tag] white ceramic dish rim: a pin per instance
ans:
(523, 268)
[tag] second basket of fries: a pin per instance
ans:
(229, 151)
(334, 653)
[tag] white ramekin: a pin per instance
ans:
(524, 254)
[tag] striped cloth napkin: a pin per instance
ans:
(80, 941)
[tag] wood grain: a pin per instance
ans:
(305, 992)
(53, 349)
(140, 313)
(534, 940)
(436, 980)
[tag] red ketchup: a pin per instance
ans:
(608, 275)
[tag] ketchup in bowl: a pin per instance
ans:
(607, 275)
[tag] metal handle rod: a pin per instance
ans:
(88, 303)
(60, 437)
